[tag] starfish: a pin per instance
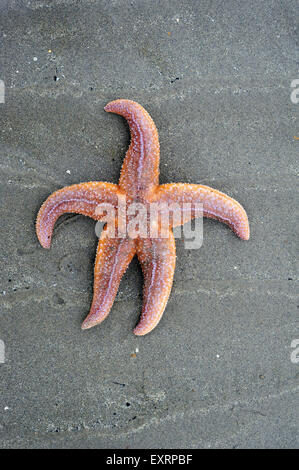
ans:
(138, 183)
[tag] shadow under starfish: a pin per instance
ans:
(139, 182)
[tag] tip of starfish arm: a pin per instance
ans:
(245, 235)
(43, 230)
(242, 229)
(86, 325)
(138, 332)
(141, 330)
(89, 323)
(108, 106)
(44, 239)
(46, 243)
(116, 105)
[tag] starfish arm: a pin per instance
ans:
(216, 205)
(80, 198)
(113, 257)
(157, 259)
(140, 170)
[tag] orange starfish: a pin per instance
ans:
(139, 183)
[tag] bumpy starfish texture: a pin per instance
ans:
(139, 182)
